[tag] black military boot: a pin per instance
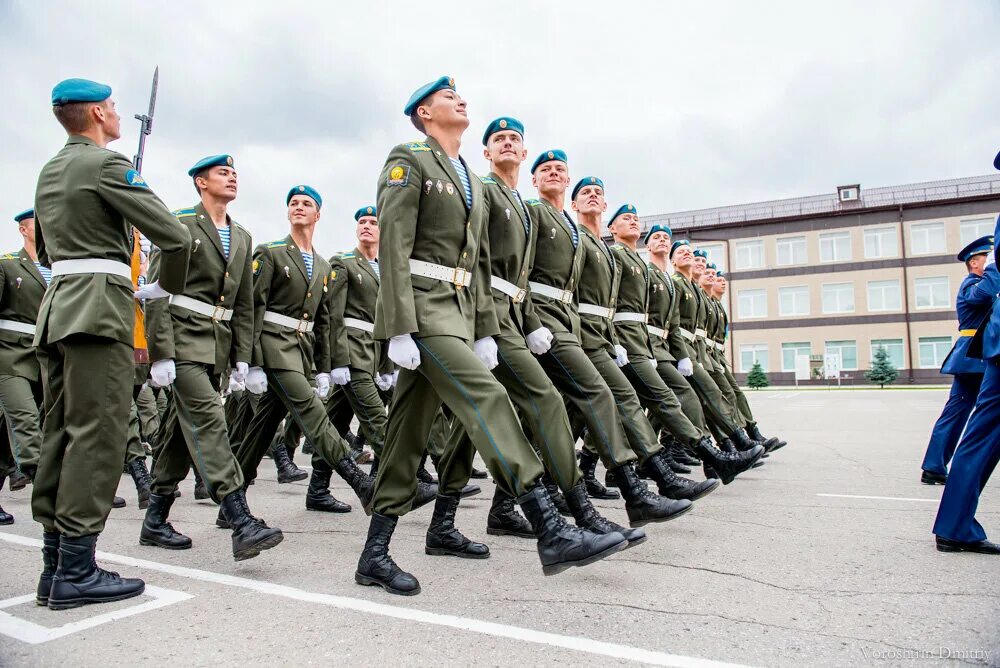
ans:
(479, 475)
(200, 491)
(667, 445)
(772, 443)
(683, 456)
(156, 530)
(561, 545)
(362, 484)
(140, 476)
(373, 471)
(318, 495)
(557, 498)
(78, 580)
(425, 494)
(423, 474)
(250, 535)
(287, 470)
(743, 442)
(18, 480)
(504, 520)
(50, 562)
(442, 536)
(5, 517)
(118, 502)
(376, 567)
(588, 518)
(726, 445)
(726, 465)
(641, 504)
(672, 486)
(588, 464)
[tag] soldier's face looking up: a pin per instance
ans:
(27, 229)
(302, 210)
(682, 257)
(551, 178)
(698, 266)
(107, 117)
(590, 200)
(505, 149)
(445, 109)
(659, 243)
(367, 231)
(626, 227)
(218, 182)
(720, 286)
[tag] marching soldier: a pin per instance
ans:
(86, 202)
(436, 310)
(973, 306)
(194, 335)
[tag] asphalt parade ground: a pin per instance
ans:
(822, 557)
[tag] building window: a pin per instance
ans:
(750, 254)
(933, 350)
(927, 238)
(838, 298)
(791, 250)
(791, 351)
(884, 296)
(848, 351)
(892, 346)
(716, 254)
(793, 300)
(752, 303)
(835, 247)
(880, 242)
(753, 352)
(973, 229)
(932, 292)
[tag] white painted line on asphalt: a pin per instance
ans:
(574, 643)
(878, 498)
(35, 634)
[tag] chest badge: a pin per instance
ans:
(506, 212)
(287, 274)
(428, 186)
(440, 187)
(450, 188)
(553, 234)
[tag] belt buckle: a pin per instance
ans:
(218, 312)
(302, 327)
(611, 314)
(519, 296)
(566, 297)
(460, 277)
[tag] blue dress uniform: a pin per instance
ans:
(977, 454)
(973, 307)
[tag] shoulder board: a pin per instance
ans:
(488, 180)
(345, 256)
(617, 247)
(9, 256)
(276, 244)
(418, 146)
(184, 213)
(676, 276)
(533, 202)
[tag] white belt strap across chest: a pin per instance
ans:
(656, 331)
(720, 347)
(686, 334)
(20, 327)
(457, 276)
(515, 293)
(301, 326)
(201, 308)
(91, 266)
(599, 311)
(627, 316)
(700, 332)
(565, 296)
(363, 325)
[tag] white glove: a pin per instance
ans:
(404, 352)
(540, 340)
(653, 362)
(256, 381)
(145, 245)
(384, 381)
(486, 350)
(323, 385)
(341, 375)
(685, 367)
(240, 372)
(234, 385)
(163, 372)
(151, 291)
(621, 356)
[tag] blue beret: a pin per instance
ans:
(977, 247)
(305, 190)
(711, 265)
(585, 181)
(996, 161)
(548, 156)
(427, 89)
(720, 274)
(624, 208)
(29, 213)
(79, 90)
(700, 253)
(503, 123)
(211, 161)
(654, 229)
(365, 211)
(677, 244)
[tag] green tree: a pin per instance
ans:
(882, 370)
(757, 379)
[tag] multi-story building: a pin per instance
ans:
(844, 274)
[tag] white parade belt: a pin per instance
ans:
(656, 331)
(700, 332)
(565, 296)
(457, 276)
(686, 334)
(515, 293)
(720, 346)
(91, 266)
(599, 311)
(300, 326)
(202, 308)
(626, 316)
(363, 325)
(21, 327)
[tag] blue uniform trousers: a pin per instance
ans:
(975, 458)
(948, 428)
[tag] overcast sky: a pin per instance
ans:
(675, 106)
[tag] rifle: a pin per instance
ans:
(146, 122)
(141, 354)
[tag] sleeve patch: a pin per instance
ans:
(133, 178)
(256, 267)
(399, 175)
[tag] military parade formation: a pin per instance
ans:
(469, 319)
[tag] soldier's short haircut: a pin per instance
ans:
(74, 117)
(417, 123)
